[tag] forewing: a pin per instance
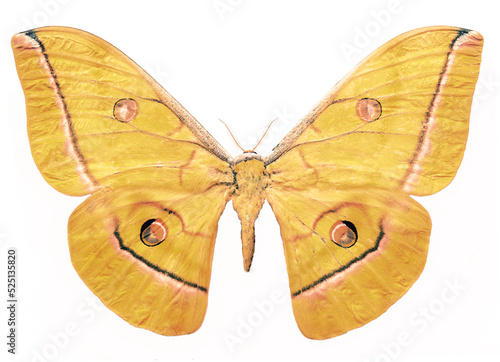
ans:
(94, 114)
(399, 120)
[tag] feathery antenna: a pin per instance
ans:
(232, 135)
(238, 144)
(264, 135)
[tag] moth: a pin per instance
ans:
(339, 183)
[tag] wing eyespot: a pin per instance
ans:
(369, 109)
(344, 233)
(126, 110)
(153, 232)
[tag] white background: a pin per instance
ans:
(249, 64)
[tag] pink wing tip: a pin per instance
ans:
(21, 40)
(471, 39)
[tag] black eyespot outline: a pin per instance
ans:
(125, 99)
(144, 226)
(351, 226)
(380, 105)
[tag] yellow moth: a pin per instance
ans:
(339, 183)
